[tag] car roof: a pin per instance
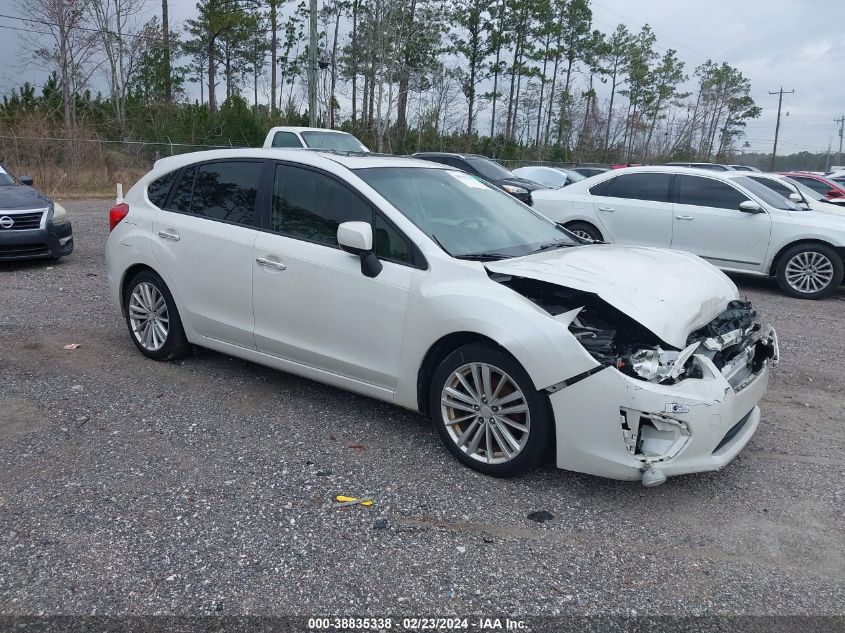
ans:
(666, 169)
(452, 155)
(297, 128)
(350, 160)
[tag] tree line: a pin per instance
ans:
(519, 79)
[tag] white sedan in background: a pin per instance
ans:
(420, 285)
(729, 219)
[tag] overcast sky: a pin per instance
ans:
(797, 44)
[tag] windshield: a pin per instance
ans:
(467, 217)
(488, 169)
(340, 141)
(6, 179)
(765, 194)
(574, 176)
(805, 190)
(547, 177)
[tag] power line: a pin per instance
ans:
(780, 94)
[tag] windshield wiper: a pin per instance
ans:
(482, 257)
(549, 245)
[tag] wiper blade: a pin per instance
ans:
(549, 245)
(482, 257)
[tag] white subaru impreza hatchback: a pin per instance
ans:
(417, 284)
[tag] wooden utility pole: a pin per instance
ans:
(780, 94)
(312, 67)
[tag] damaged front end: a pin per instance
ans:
(669, 394)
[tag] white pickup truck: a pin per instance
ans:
(313, 138)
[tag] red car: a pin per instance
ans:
(828, 188)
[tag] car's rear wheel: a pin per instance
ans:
(585, 230)
(488, 412)
(810, 271)
(153, 319)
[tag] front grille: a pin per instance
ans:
(21, 250)
(21, 221)
(733, 432)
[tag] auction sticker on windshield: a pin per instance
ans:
(469, 181)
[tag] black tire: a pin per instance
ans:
(175, 344)
(540, 432)
(826, 261)
(585, 229)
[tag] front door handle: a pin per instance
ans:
(168, 235)
(608, 209)
(269, 263)
(684, 217)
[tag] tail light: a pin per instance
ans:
(116, 214)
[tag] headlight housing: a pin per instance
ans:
(59, 214)
(515, 190)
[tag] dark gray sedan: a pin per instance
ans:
(31, 225)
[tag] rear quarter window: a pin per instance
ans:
(159, 189)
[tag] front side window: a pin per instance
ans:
(309, 205)
(227, 191)
(774, 185)
(707, 192)
(286, 139)
(652, 187)
(388, 243)
(812, 183)
(467, 217)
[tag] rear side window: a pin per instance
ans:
(706, 192)
(309, 205)
(227, 191)
(653, 187)
(182, 196)
(159, 189)
(286, 139)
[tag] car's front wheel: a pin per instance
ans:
(810, 271)
(488, 412)
(153, 319)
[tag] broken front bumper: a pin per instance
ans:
(616, 426)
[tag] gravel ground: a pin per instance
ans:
(204, 486)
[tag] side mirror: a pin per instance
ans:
(750, 207)
(796, 197)
(357, 238)
(25, 180)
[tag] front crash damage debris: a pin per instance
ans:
(734, 346)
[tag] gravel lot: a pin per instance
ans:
(204, 486)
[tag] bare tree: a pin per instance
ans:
(67, 47)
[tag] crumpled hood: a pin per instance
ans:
(671, 293)
(21, 197)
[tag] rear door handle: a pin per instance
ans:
(608, 209)
(168, 235)
(684, 217)
(269, 263)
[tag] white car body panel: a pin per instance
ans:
(320, 318)
(731, 240)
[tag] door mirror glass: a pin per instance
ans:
(750, 207)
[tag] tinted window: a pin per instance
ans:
(706, 192)
(286, 139)
(227, 190)
(182, 196)
(159, 188)
(388, 243)
(774, 185)
(309, 205)
(654, 187)
(488, 169)
(812, 183)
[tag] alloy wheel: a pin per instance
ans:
(485, 413)
(809, 272)
(148, 316)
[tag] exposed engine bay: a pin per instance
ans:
(735, 341)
